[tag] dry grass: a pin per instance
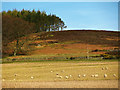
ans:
(65, 84)
(44, 74)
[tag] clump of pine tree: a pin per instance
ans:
(43, 22)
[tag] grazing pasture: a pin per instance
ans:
(63, 59)
(60, 74)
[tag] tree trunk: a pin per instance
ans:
(61, 28)
(49, 28)
(16, 49)
(15, 52)
(37, 27)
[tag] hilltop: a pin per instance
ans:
(95, 37)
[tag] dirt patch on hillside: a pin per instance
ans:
(49, 50)
(71, 48)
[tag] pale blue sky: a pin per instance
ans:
(76, 15)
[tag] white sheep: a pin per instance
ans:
(96, 75)
(32, 77)
(114, 75)
(105, 75)
(84, 75)
(51, 71)
(79, 76)
(66, 77)
(3, 79)
(60, 76)
(70, 75)
(57, 76)
(92, 75)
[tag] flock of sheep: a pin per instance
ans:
(84, 75)
(79, 76)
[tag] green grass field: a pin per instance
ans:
(13, 74)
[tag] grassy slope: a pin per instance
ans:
(68, 43)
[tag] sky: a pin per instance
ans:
(76, 15)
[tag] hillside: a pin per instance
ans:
(109, 38)
(71, 43)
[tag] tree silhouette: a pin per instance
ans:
(42, 21)
(13, 29)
